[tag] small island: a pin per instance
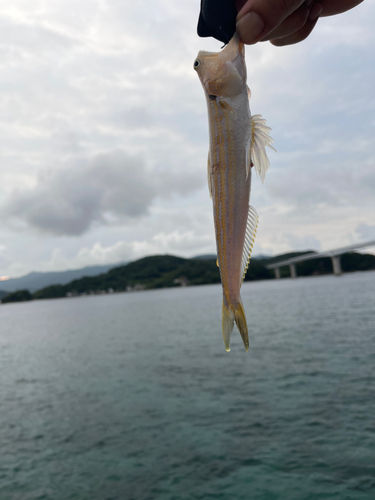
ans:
(19, 296)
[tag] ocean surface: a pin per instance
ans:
(133, 397)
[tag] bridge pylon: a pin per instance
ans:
(293, 271)
(336, 264)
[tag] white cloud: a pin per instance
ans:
(82, 83)
(177, 243)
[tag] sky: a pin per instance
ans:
(104, 134)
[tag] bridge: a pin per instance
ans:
(334, 254)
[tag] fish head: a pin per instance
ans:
(223, 74)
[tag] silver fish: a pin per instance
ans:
(237, 142)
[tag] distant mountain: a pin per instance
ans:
(261, 256)
(211, 256)
(38, 280)
(2, 294)
(162, 271)
(158, 271)
(208, 256)
(283, 256)
(35, 280)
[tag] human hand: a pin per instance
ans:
(284, 22)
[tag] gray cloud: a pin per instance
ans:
(303, 243)
(315, 182)
(112, 188)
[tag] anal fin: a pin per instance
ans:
(251, 230)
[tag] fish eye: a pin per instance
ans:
(197, 63)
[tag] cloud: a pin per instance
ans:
(181, 243)
(104, 133)
(331, 186)
(3, 261)
(303, 243)
(113, 188)
(87, 256)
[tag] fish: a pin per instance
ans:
(237, 143)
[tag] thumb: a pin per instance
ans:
(257, 18)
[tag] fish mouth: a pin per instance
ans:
(233, 45)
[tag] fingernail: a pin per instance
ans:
(249, 27)
(315, 11)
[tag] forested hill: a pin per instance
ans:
(159, 271)
(162, 271)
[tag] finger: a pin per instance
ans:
(298, 36)
(240, 4)
(291, 24)
(257, 18)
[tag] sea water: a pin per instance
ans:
(132, 396)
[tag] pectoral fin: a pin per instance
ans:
(225, 105)
(232, 83)
(260, 138)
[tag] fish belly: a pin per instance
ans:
(231, 205)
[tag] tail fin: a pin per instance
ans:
(229, 316)
(227, 324)
(240, 319)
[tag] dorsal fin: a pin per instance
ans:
(251, 230)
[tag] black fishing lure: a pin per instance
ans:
(217, 18)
